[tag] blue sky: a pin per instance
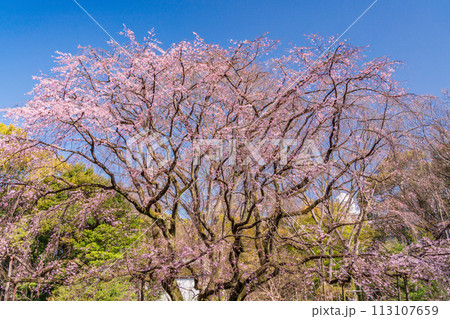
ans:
(416, 32)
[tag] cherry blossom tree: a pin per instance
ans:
(236, 160)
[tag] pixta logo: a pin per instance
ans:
(230, 151)
(152, 152)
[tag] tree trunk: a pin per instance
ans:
(172, 289)
(141, 286)
(9, 284)
(405, 282)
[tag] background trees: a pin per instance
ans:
(247, 172)
(413, 183)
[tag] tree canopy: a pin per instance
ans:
(295, 177)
